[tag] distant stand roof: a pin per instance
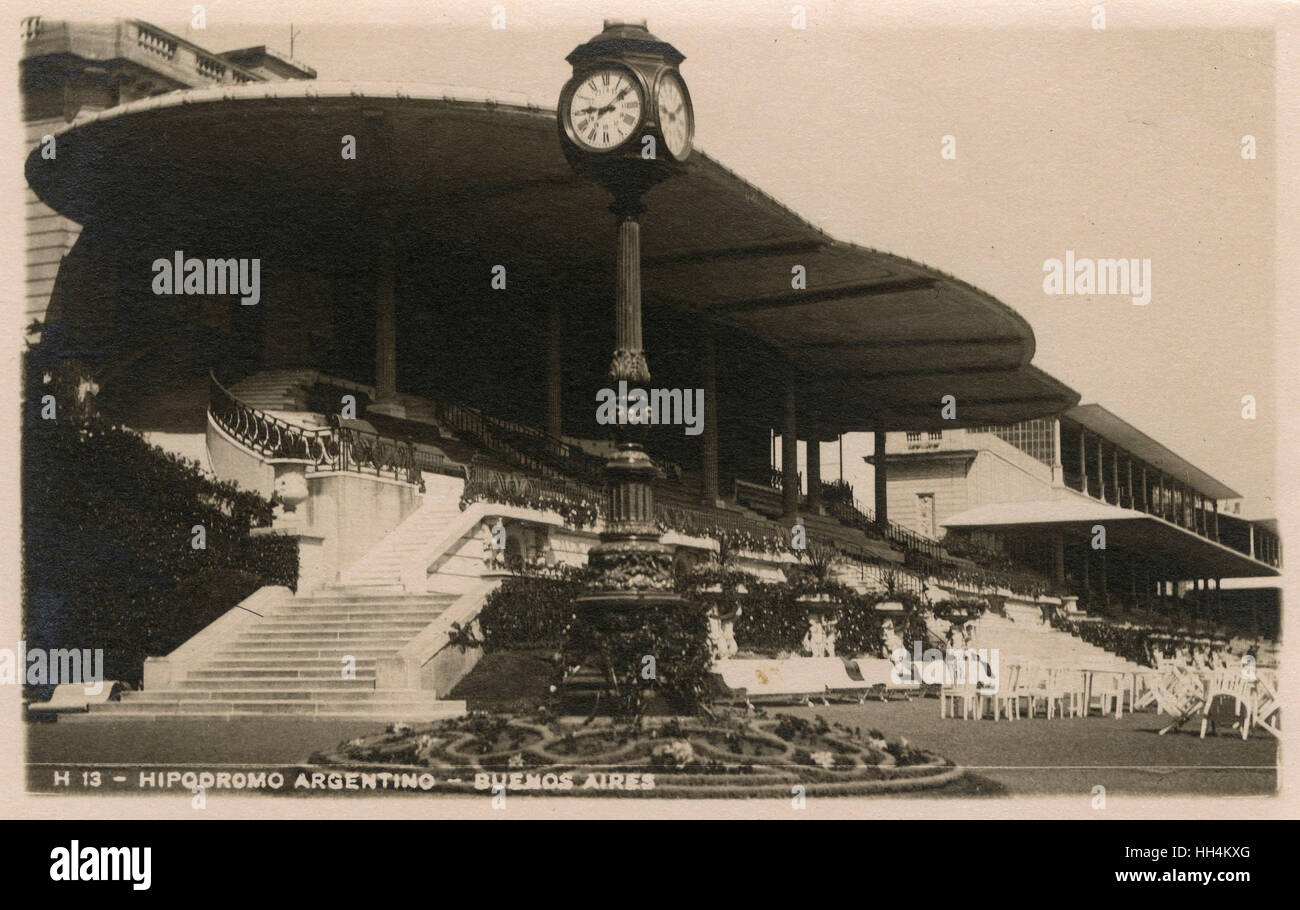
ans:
(1115, 429)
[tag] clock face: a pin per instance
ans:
(674, 116)
(605, 108)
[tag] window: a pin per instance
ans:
(1033, 437)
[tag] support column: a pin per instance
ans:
(813, 455)
(1146, 492)
(882, 481)
(1083, 461)
(554, 370)
(1058, 467)
(1216, 521)
(386, 322)
(789, 459)
(1114, 474)
(1132, 497)
(709, 442)
(1101, 470)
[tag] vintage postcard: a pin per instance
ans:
(620, 410)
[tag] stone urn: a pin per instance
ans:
(823, 612)
(291, 492)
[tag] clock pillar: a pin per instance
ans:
(630, 606)
(634, 567)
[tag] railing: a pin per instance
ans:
(155, 43)
(523, 446)
(332, 448)
(30, 28)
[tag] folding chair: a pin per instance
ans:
(1267, 705)
(1182, 694)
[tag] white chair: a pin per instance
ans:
(1230, 684)
(969, 695)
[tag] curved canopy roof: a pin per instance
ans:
(874, 342)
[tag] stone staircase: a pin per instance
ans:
(382, 564)
(1023, 638)
(275, 390)
(290, 662)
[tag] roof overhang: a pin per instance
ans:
(1116, 430)
(1127, 530)
(874, 342)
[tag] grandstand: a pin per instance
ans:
(402, 408)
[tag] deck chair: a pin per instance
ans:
(839, 684)
(881, 672)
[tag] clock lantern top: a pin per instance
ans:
(625, 116)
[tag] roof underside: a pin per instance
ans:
(1127, 530)
(874, 341)
(1097, 419)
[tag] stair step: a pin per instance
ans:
(277, 674)
(431, 709)
(410, 622)
(335, 652)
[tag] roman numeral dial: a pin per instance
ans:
(675, 117)
(605, 109)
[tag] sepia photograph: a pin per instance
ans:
(649, 409)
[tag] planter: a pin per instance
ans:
(823, 621)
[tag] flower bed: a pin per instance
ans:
(725, 757)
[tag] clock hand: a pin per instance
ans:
(609, 107)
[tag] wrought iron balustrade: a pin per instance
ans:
(332, 448)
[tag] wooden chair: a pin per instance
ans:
(971, 698)
(1229, 684)
(1107, 692)
(1180, 693)
(1267, 707)
(1006, 700)
(1065, 688)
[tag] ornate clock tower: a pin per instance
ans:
(625, 120)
